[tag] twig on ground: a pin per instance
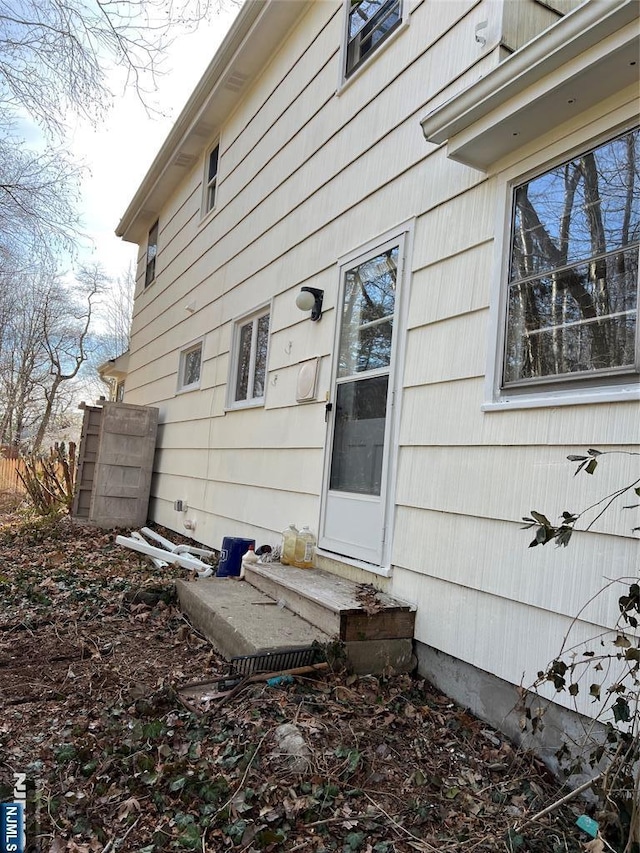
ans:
(567, 797)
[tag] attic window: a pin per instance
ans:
(369, 23)
(212, 179)
(152, 251)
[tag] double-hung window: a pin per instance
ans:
(211, 182)
(249, 362)
(152, 251)
(369, 22)
(190, 367)
(572, 290)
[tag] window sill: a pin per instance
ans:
(205, 218)
(187, 388)
(245, 404)
(551, 399)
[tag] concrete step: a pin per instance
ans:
(351, 611)
(238, 619)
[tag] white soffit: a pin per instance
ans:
(587, 56)
(115, 367)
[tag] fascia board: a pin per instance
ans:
(573, 35)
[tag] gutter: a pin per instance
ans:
(579, 30)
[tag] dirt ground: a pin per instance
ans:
(91, 712)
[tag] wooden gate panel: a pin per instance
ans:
(122, 478)
(115, 464)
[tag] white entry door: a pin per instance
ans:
(354, 511)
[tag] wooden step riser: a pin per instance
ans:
(313, 612)
(389, 625)
(350, 627)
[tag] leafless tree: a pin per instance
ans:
(45, 341)
(115, 315)
(65, 336)
(37, 199)
(55, 56)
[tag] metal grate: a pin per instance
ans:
(276, 661)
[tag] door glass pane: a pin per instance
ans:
(358, 439)
(244, 362)
(367, 315)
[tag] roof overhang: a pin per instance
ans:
(115, 368)
(252, 40)
(587, 56)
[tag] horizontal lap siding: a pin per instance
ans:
(306, 176)
(466, 477)
(548, 428)
(496, 634)
(506, 482)
(462, 550)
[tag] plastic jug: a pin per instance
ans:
(289, 536)
(305, 549)
(248, 560)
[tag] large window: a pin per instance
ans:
(572, 292)
(211, 182)
(190, 367)
(369, 22)
(152, 251)
(249, 364)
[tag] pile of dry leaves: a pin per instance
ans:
(93, 652)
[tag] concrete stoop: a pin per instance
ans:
(280, 607)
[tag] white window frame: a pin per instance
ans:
(184, 352)
(238, 324)
(151, 255)
(347, 77)
(583, 388)
(210, 184)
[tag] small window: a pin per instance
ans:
(211, 180)
(152, 251)
(119, 395)
(572, 291)
(249, 366)
(369, 22)
(190, 367)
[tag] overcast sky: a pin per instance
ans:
(120, 150)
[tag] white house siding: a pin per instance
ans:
(467, 477)
(307, 175)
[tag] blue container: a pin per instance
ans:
(231, 554)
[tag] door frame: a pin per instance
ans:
(403, 234)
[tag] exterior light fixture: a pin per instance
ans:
(310, 299)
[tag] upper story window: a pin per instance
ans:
(369, 23)
(572, 292)
(249, 363)
(152, 251)
(211, 179)
(190, 367)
